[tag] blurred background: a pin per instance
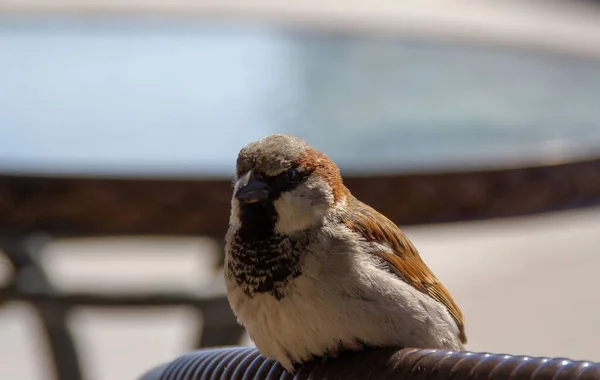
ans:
(475, 126)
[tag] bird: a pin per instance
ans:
(311, 271)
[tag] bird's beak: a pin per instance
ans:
(248, 189)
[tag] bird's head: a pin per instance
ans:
(283, 185)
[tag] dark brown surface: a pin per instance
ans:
(376, 364)
(101, 206)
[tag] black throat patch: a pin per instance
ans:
(261, 260)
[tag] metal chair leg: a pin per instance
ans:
(219, 326)
(22, 252)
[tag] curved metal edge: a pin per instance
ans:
(105, 206)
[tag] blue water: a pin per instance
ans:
(153, 97)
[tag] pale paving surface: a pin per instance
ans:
(554, 24)
(527, 285)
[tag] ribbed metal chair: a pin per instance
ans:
(245, 363)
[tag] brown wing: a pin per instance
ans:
(377, 228)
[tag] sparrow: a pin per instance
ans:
(311, 271)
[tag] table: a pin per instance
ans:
(120, 128)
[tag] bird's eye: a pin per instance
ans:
(290, 175)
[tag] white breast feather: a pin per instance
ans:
(339, 297)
